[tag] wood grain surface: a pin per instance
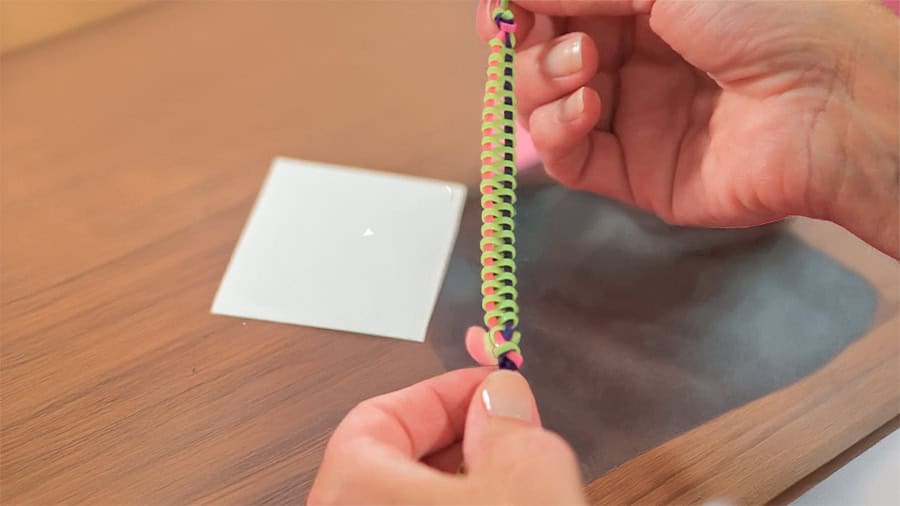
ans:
(131, 153)
(26, 22)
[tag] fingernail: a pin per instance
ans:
(564, 58)
(572, 106)
(507, 394)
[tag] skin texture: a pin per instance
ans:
(722, 114)
(726, 114)
(405, 447)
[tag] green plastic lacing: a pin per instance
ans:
(498, 195)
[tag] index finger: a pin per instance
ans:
(417, 420)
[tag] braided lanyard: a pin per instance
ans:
(498, 197)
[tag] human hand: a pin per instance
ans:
(725, 114)
(405, 447)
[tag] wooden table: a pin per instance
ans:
(131, 154)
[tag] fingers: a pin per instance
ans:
(504, 400)
(531, 29)
(550, 70)
(586, 7)
(487, 27)
(561, 126)
(573, 152)
(377, 447)
(506, 447)
(367, 474)
(368, 460)
(447, 460)
(415, 421)
(476, 348)
(537, 20)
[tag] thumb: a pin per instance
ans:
(507, 450)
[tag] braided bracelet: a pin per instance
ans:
(498, 197)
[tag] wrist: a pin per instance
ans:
(857, 186)
(866, 202)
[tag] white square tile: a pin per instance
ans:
(345, 249)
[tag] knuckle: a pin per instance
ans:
(561, 173)
(565, 178)
(368, 409)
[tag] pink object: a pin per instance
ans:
(525, 153)
(893, 5)
(507, 27)
(475, 347)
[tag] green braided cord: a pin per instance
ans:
(498, 195)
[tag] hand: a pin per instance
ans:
(406, 447)
(726, 114)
